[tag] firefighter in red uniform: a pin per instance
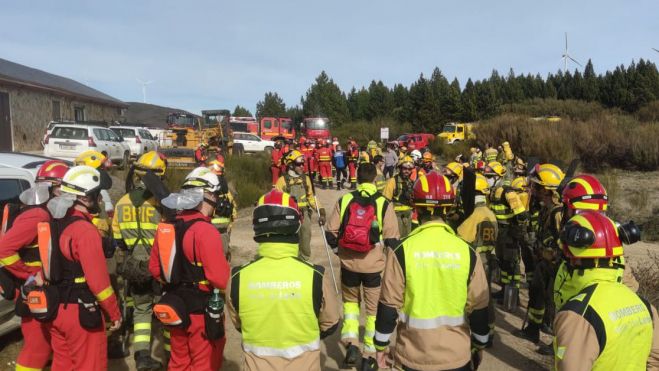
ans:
(324, 156)
(197, 342)
(275, 166)
(353, 157)
(307, 151)
(78, 281)
(20, 259)
(201, 154)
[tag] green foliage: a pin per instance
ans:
(449, 152)
(363, 131)
(249, 177)
(271, 106)
(603, 140)
(241, 111)
(325, 99)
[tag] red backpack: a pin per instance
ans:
(360, 230)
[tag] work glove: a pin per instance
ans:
(323, 217)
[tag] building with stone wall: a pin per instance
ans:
(31, 98)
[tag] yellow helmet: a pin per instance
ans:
(520, 183)
(454, 168)
(90, 158)
(495, 168)
(548, 176)
(153, 161)
(481, 185)
(405, 160)
(293, 156)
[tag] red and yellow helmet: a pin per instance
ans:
(494, 168)
(591, 235)
(277, 214)
(52, 171)
(433, 190)
(585, 192)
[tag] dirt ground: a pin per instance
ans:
(508, 352)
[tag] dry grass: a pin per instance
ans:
(647, 275)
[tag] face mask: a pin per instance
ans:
(58, 206)
(187, 199)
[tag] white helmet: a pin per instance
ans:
(204, 178)
(416, 155)
(83, 180)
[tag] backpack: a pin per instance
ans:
(9, 213)
(359, 229)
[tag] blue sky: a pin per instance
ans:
(216, 54)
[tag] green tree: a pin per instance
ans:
(271, 106)
(400, 98)
(468, 111)
(358, 103)
(325, 98)
(241, 111)
(379, 101)
(590, 91)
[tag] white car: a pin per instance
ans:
(17, 173)
(67, 141)
(138, 139)
(252, 143)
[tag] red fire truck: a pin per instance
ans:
(316, 128)
(277, 127)
(244, 124)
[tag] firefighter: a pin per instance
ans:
(399, 191)
(100, 162)
(193, 279)
(480, 230)
(380, 180)
(201, 154)
(340, 162)
(512, 218)
(134, 226)
(361, 213)
(324, 158)
(19, 258)
(427, 163)
(259, 305)
(545, 180)
(604, 325)
(521, 186)
(353, 158)
(227, 208)
(435, 286)
(335, 142)
(476, 155)
(373, 149)
(490, 153)
(78, 284)
(275, 164)
(453, 171)
(298, 184)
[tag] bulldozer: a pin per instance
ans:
(187, 132)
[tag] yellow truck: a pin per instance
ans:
(456, 132)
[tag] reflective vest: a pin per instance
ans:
(297, 187)
(506, 204)
(438, 266)
(402, 193)
(380, 181)
(622, 322)
(278, 302)
(324, 155)
(491, 154)
(380, 203)
(137, 220)
(481, 225)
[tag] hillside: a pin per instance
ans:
(149, 114)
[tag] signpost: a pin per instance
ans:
(384, 134)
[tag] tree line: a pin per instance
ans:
(431, 101)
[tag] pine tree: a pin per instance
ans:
(271, 106)
(325, 98)
(241, 111)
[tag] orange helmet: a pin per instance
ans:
(277, 214)
(585, 192)
(52, 171)
(591, 235)
(217, 165)
(433, 190)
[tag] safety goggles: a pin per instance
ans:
(410, 168)
(299, 163)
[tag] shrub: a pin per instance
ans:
(363, 131)
(603, 140)
(647, 275)
(448, 152)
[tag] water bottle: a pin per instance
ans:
(215, 316)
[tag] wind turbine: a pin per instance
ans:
(656, 50)
(567, 56)
(144, 84)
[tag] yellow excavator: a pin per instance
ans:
(187, 132)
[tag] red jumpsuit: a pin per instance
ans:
(75, 347)
(190, 348)
(275, 167)
(324, 158)
(23, 237)
(353, 157)
(200, 157)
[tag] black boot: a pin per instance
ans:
(339, 185)
(144, 362)
(352, 356)
(531, 333)
(368, 364)
(353, 185)
(116, 349)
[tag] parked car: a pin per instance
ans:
(138, 139)
(17, 173)
(252, 143)
(421, 140)
(67, 141)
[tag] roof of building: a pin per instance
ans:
(31, 77)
